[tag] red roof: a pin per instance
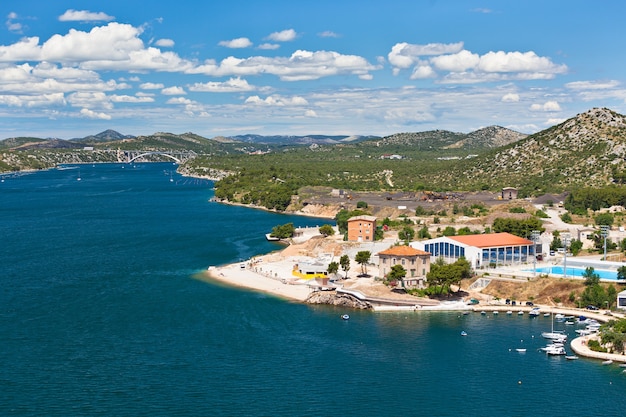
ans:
(403, 251)
(492, 240)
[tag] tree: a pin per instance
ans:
(576, 246)
(449, 231)
(522, 228)
(344, 261)
(397, 273)
(362, 258)
(333, 268)
(407, 234)
(621, 273)
(423, 233)
(284, 231)
(604, 219)
(361, 204)
(442, 276)
(591, 277)
(326, 230)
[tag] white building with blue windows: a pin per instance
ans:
(481, 250)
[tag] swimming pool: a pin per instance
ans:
(576, 272)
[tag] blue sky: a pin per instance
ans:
(74, 68)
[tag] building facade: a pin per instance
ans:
(483, 250)
(416, 263)
(361, 228)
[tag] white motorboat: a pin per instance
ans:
(521, 350)
(534, 312)
(556, 350)
(571, 357)
(607, 362)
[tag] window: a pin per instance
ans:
(403, 261)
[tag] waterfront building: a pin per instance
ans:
(416, 263)
(482, 250)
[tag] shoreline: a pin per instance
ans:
(234, 275)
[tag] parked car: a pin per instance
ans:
(508, 301)
(590, 307)
(530, 303)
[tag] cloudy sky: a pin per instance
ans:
(73, 68)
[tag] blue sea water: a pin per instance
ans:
(104, 311)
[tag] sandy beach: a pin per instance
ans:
(271, 281)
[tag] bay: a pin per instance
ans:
(104, 311)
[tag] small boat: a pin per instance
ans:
(271, 238)
(546, 314)
(495, 312)
(509, 312)
(556, 351)
(534, 312)
(622, 365)
(463, 333)
(520, 313)
(521, 350)
(483, 312)
(571, 357)
(607, 362)
(345, 317)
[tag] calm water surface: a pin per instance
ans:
(103, 313)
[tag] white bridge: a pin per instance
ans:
(177, 156)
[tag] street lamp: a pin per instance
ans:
(565, 240)
(604, 232)
(534, 236)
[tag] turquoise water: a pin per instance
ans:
(103, 312)
(577, 272)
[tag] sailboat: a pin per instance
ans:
(554, 335)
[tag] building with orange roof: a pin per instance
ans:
(416, 263)
(480, 250)
(361, 228)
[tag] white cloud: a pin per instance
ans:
(94, 115)
(173, 91)
(84, 16)
(301, 65)
(404, 55)
(525, 62)
(236, 43)
(231, 86)
(591, 85)
(328, 34)
(33, 100)
(131, 99)
(422, 71)
(90, 99)
(269, 46)
(283, 36)
(310, 113)
(510, 98)
(278, 101)
(548, 106)
(165, 43)
(151, 86)
(461, 66)
(458, 62)
(12, 25)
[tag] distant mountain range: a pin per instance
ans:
(490, 137)
(586, 150)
